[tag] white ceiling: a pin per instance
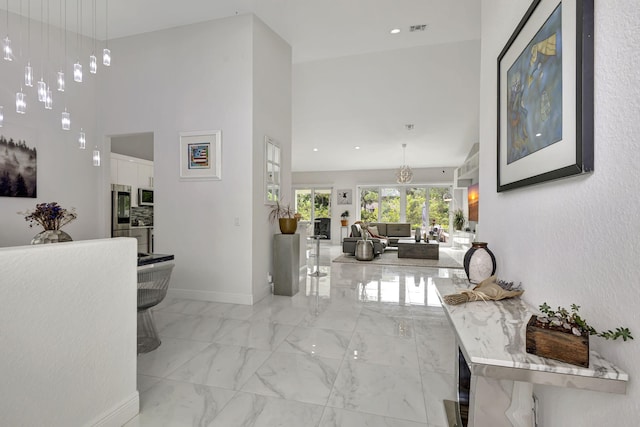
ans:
(354, 83)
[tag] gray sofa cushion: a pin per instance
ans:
(382, 228)
(355, 231)
(398, 229)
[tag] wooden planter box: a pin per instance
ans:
(557, 345)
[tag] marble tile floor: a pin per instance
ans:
(364, 346)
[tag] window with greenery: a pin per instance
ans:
(322, 203)
(369, 205)
(421, 205)
(416, 208)
(390, 202)
(303, 204)
(438, 208)
(321, 207)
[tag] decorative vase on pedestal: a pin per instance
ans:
(288, 225)
(479, 262)
(51, 236)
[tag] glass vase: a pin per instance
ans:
(50, 236)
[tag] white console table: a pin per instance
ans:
(491, 336)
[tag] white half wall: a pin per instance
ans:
(575, 240)
(68, 334)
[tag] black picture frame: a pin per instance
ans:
(556, 107)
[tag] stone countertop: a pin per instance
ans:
(492, 337)
(146, 259)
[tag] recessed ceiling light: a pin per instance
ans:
(315, 149)
(395, 31)
(356, 147)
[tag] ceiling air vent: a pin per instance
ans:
(418, 28)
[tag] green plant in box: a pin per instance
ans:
(458, 219)
(562, 318)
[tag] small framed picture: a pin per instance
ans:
(344, 197)
(200, 155)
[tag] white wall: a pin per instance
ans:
(338, 180)
(574, 240)
(68, 334)
(65, 173)
(272, 117)
(197, 78)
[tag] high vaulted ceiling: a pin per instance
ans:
(354, 84)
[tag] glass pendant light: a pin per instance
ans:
(77, 67)
(106, 53)
(6, 42)
(82, 140)
(48, 101)
(77, 72)
(93, 64)
(6, 48)
(28, 75)
(42, 90)
(28, 69)
(60, 81)
(93, 61)
(41, 85)
(66, 120)
(96, 156)
(1, 115)
(21, 102)
(60, 75)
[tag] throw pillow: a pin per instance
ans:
(355, 230)
(365, 233)
(373, 231)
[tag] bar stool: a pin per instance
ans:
(317, 273)
(153, 282)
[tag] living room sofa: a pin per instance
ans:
(393, 231)
(390, 233)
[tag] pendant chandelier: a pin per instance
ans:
(404, 174)
(54, 60)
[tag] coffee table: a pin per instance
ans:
(409, 248)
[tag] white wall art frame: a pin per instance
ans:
(272, 170)
(201, 155)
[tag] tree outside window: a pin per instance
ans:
(369, 205)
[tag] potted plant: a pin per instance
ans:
(285, 216)
(344, 218)
(564, 335)
(458, 219)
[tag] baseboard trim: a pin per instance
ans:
(264, 292)
(122, 413)
(210, 296)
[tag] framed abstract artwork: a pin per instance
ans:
(545, 95)
(200, 155)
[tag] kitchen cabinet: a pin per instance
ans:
(132, 171)
(145, 175)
